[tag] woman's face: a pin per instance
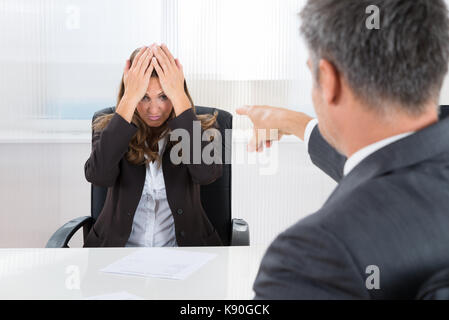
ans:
(155, 107)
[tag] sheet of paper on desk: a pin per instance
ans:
(160, 263)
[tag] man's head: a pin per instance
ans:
(362, 74)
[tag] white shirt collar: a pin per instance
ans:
(161, 143)
(360, 155)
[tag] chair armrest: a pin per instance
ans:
(240, 233)
(62, 236)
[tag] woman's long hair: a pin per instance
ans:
(151, 135)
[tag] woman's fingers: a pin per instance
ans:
(146, 62)
(168, 54)
(158, 68)
(141, 59)
(137, 57)
(150, 69)
(178, 64)
(162, 59)
(141, 51)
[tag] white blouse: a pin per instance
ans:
(153, 224)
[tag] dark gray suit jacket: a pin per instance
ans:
(391, 211)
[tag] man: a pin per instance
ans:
(385, 228)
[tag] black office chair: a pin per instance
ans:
(444, 111)
(215, 197)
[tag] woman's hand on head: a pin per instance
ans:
(136, 77)
(171, 77)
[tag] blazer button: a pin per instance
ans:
(182, 233)
(129, 214)
(179, 211)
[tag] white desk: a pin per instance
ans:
(48, 274)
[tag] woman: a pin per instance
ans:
(150, 200)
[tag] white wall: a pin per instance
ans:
(42, 187)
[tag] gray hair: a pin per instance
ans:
(403, 63)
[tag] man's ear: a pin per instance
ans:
(329, 81)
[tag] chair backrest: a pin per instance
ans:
(215, 197)
(444, 112)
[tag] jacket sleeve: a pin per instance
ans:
(324, 156)
(201, 172)
(307, 262)
(108, 148)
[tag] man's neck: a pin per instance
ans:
(371, 128)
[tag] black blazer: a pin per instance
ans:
(108, 167)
